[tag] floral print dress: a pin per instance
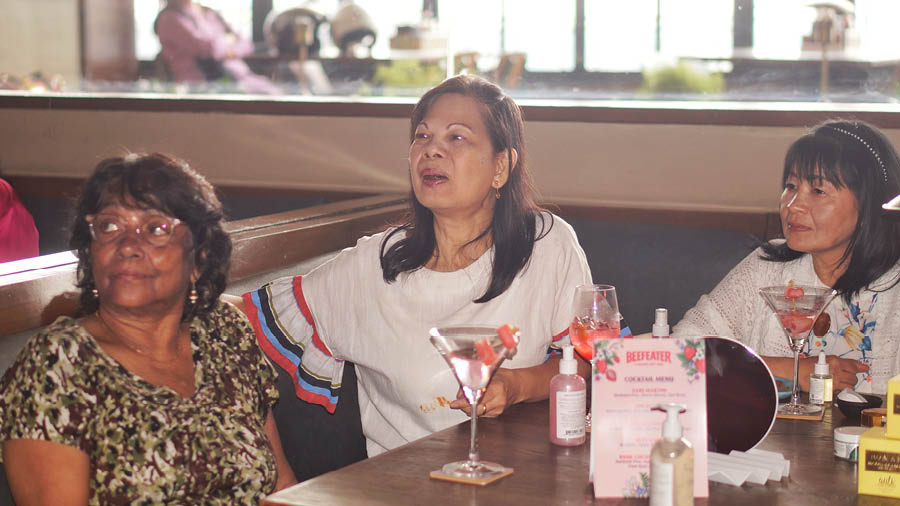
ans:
(148, 444)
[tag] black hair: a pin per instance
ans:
(856, 156)
(157, 181)
(513, 227)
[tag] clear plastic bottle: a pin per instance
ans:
(661, 323)
(672, 463)
(820, 382)
(567, 402)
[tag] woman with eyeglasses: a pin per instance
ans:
(157, 393)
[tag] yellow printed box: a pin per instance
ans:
(879, 464)
(893, 408)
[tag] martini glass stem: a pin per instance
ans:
(795, 390)
(473, 396)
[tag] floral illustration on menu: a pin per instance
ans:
(693, 358)
(606, 357)
(637, 486)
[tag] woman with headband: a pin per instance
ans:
(835, 180)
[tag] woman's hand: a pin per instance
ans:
(501, 393)
(843, 370)
(511, 386)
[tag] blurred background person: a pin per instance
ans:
(18, 235)
(199, 46)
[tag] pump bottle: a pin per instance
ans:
(671, 463)
(661, 323)
(567, 402)
(820, 382)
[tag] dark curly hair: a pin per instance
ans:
(513, 226)
(157, 181)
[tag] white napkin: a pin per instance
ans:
(754, 466)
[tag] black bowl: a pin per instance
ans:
(853, 409)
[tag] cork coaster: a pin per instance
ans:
(818, 415)
(440, 475)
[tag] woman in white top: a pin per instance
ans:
(835, 180)
(474, 248)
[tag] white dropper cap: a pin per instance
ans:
(671, 428)
(568, 365)
(821, 367)
(661, 325)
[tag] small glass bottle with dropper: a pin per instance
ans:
(820, 382)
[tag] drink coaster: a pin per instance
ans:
(440, 475)
(818, 415)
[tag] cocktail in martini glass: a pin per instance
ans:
(797, 308)
(474, 352)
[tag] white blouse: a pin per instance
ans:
(867, 330)
(344, 310)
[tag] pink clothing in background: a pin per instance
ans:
(189, 34)
(18, 235)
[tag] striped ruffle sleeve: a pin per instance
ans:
(286, 332)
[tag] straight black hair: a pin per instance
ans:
(513, 227)
(856, 156)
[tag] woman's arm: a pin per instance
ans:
(286, 476)
(732, 307)
(843, 369)
(511, 386)
(237, 301)
(41, 472)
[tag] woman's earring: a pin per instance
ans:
(95, 293)
(193, 297)
(497, 193)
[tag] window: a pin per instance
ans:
(590, 49)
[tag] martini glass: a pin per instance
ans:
(797, 308)
(473, 352)
(596, 317)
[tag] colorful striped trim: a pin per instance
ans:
(297, 285)
(274, 342)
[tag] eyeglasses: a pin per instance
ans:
(156, 230)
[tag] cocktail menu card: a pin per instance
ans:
(630, 376)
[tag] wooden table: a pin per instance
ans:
(546, 474)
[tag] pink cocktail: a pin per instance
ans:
(583, 334)
(474, 352)
(796, 308)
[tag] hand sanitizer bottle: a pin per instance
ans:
(567, 402)
(820, 382)
(672, 463)
(661, 323)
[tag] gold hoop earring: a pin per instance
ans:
(497, 193)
